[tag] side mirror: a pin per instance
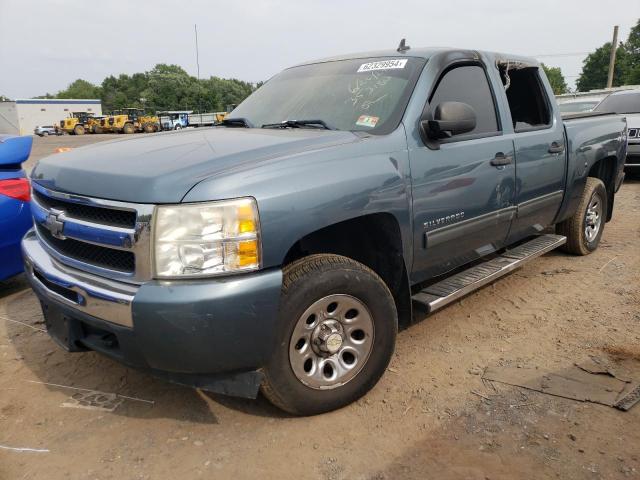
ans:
(448, 119)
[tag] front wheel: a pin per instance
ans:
(584, 229)
(337, 335)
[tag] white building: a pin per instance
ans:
(20, 117)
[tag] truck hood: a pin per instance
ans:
(633, 120)
(162, 168)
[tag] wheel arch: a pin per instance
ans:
(605, 170)
(374, 240)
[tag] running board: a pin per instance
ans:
(436, 296)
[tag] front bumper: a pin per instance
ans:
(210, 333)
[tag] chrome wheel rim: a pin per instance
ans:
(593, 218)
(331, 342)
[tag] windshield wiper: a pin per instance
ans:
(236, 122)
(299, 124)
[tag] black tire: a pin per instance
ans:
(78, 130)
(178, 127)
(306, 281)
(45, 134)
(149, 128)
(128, 128)
(574, 228)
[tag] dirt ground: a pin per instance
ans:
(430, 417)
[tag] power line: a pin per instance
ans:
(574, 54)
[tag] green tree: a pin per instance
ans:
(596, 67)
(224, 92)
(171, 87)
(164, 87)
(556, 79)
(80, 89)
(123, 91)
(632, 47)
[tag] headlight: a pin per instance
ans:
(201, 239)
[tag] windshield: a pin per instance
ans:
(358, 94)
(623, 103)
(571, 107)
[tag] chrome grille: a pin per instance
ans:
(108, 238)
(103, 216)
(110, 258)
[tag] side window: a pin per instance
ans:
(469, 85)
(527, 98)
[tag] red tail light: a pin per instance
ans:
(17, 188)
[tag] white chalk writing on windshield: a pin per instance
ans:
(365, 91)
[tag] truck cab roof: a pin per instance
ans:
(428, 52)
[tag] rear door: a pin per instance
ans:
(539, 152)
(462, 197)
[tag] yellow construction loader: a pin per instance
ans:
(131, 120)
(78, 123)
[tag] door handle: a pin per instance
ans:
(556, 147)
(500, 160)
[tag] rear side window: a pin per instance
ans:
(528, 101)
(468, 84)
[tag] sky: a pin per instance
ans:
(45, 45)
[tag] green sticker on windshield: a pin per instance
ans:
(367, 121)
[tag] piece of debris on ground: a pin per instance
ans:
(592, 380)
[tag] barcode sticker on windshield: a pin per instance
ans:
(384, 65)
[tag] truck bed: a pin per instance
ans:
(573, 116)
(590, 137)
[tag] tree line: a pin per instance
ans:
(164, 87)
(627, 67)
(595, 67)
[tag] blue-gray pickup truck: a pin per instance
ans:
(280, 251)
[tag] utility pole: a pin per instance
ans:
(195, 28)
(612, 57)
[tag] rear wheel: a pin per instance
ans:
(178, 127)
(149, 128)
(337, 335)
(584, 229)
(128, 128)
(78, 130)
(45, 134)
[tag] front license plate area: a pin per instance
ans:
(65, 331)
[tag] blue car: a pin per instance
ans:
(15, 194)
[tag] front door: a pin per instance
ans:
(463, 192)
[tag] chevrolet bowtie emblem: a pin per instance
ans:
(55, 223)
